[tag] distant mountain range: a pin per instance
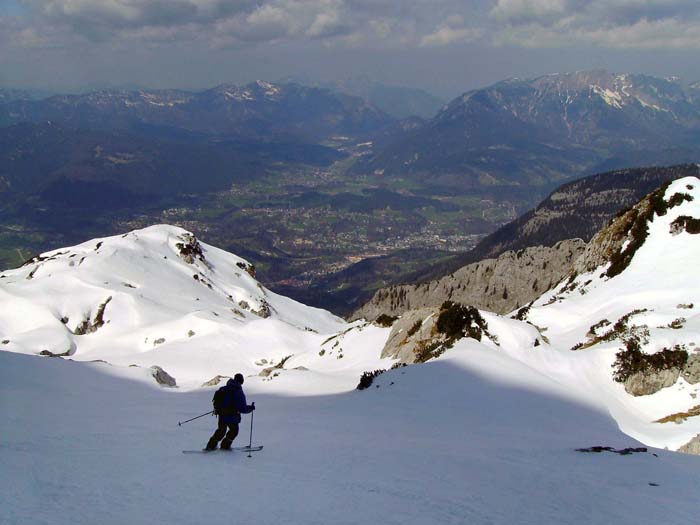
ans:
(258, 111)
(532, 133)
(528, 133)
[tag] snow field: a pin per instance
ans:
(445, 443)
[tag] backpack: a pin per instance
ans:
(219, 400)
(222, 405)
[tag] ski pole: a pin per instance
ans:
(180, 423)
(250, 444)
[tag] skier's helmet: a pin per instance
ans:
(238, 378)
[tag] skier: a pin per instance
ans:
(229, 403)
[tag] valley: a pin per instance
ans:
(298, 223)
(329, 196)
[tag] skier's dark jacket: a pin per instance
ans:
(234, 403)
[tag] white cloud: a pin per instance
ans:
(284, 19)
(450, 31)
(527, 10)
(325, 24)
(446, 35)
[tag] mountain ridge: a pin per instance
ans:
(576, 209)
(261, 110)
(532, 133)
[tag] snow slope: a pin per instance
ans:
(661, 279)
(474, 437)
(164, 305)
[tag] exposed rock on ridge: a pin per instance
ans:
(691, 447)
(577, 209)
(498, 285)
(87, 327)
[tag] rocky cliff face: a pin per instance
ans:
(498, 285)
(578, 209)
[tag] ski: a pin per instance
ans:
(218, 450)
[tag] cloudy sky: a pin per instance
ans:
(445, 46)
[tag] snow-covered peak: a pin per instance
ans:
(233, 92)
(151, 261)
(260, 89)
(616, 90)
(155, 296)
(271, 90)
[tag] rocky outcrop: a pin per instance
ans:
(162, 377)
(88, 326)
(249, 268)
(498, 285)
(408, 332)
(49, 353)
(692, 446)
(189, 249)
(644, 374)
(421, 335)
(691, 370)
(264, 311)
(651, 381)
(685, 223)
(215, 380)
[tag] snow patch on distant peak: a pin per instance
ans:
(271, 90)
(611, 98)
(650, 106)
(241, 95)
